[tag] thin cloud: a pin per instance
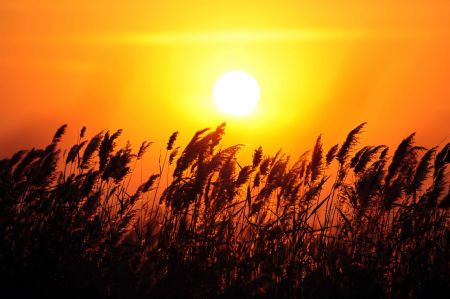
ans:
(211, 37)
(250, 36)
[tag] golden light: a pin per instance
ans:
(236, 92)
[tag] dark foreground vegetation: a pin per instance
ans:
(347, 222)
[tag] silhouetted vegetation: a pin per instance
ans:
(347, 222)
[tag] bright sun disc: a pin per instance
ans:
(236, 93)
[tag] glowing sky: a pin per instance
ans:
(149, 67)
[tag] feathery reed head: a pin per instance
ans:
(172, 140)
(349, 143)
(59, 133)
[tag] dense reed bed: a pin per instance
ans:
(350, 221)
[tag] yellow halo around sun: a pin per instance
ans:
(236, 92)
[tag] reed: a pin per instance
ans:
(276, 228)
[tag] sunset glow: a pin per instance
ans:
(321, 67)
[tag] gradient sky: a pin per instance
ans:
(149, 67)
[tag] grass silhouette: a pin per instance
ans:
(270, 229)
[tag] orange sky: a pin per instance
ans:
(149, 67)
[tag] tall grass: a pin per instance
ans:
(207, 226)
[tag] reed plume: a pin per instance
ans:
(349, 143)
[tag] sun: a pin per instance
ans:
(236, 92)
